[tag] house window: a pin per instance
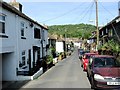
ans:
(102, 32)
(23, 57)
(110, 32)
(22, 30)
(2, 24)
(22, 62)
(36, 33)
(106, 30)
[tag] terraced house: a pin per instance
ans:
(23, 43)
(111, 30)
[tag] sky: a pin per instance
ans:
(58, 12)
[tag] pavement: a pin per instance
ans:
(16, 84)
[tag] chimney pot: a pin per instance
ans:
(13, 0)
(17, 5)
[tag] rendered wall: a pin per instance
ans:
(59, 47)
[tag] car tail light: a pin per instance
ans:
(86, 64)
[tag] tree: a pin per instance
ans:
(77, 30)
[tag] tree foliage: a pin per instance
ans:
(111, 45)
(71, 31)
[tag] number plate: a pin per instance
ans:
(113, 83)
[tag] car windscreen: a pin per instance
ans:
(105, 62)
(87, 56)
(81, 52)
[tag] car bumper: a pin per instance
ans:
(99, 84)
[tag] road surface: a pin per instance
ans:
(65, 74)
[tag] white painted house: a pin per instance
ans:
(60, 46)
(23, 44)
(44, 41)
(77, 44)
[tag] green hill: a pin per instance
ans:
(72, 31)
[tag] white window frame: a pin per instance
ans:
(23, 56)
(110, 32)
(22, 62)
(22, 28)
(2, 20)
(106, 30)
(102, 32)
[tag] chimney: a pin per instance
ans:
(17, 5)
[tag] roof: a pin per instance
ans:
(103, 56)
(115, 20)
(90, 53)
(60, 40)
(19, 13)
(52, 36)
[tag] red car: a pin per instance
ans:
(85, 60)
(104, 72)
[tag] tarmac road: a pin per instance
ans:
(65, 74)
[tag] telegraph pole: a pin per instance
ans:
(96, 3)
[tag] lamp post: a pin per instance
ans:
(65, 40)
(96, 3)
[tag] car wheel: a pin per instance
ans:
(81, 65)
(92, 83)
(87, 75)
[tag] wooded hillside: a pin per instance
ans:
(77, 30)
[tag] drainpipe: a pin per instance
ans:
(42, 48)
(17, 44)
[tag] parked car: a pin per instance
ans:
(103, 71)
(80, 53)
(86, 51)
(85, 60)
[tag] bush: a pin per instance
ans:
(49, 59)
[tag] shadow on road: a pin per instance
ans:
(13, 84)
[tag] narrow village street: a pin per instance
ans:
(65, 74)
(60, 44)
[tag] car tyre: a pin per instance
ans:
(81, 65)
(92, 83)
(87, 75)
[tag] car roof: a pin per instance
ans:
(90, 53)
(103, 56)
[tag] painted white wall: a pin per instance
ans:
(8, 44)
(9, 47)
(8, 67)
(46, 41)
(77, 44)
(14, 45)
(46, 36)
(59, 47)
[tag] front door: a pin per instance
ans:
(29, 60)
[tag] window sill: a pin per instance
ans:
(3, 36)
(24, 67)
(23, 37)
